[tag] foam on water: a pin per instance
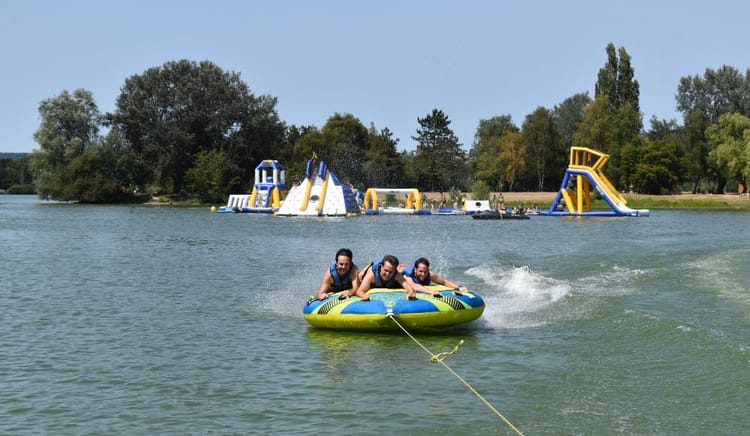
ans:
(517, 297)
(717, 271)
(613, 280)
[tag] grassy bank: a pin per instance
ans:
(690, 201)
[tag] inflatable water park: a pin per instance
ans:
(426, 312)
(584, 173)
(320, 193)
(269, 190)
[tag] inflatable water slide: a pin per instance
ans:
(319, 194)
(584, 173)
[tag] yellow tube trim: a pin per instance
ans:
(323, 190)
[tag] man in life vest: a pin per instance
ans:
(418, 275)
(341, 275)
(382, 274)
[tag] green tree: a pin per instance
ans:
(384, 166)
(480, 190)
(718, 92)
(210, 177)
(484, 157)
(297, 137)
(341, 143)
(439, 161)
(513, 154)
(16, 174)
(88, 178)
(73, 161)
(488, 164)
(345, 145)
(261, 135)
(410, 177)
(545, 147)
(695, 150)
(311, 141)
(617, 81)
(611, 131)
(569, 114)
(730, 147)
(596, 130)
(658, 168)
(70, 124)
(170, 113)
(628, 89)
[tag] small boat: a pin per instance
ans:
(495, 215)
(426, 312)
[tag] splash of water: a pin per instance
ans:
(517, 297)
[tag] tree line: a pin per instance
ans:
(192, 127)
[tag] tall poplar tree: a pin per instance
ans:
(616, 80)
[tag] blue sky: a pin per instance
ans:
(386, 62)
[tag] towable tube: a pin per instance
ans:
(426, 312)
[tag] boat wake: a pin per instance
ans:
(517, 297)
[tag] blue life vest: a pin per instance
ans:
(340, 283)
(409, 271)
(391, 283)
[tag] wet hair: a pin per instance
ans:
(344, 252)
(422, 260)
(393, 260)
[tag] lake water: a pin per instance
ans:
(161, 320)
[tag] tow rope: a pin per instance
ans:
(440, 357)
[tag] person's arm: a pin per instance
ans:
(414, 286)
(365, 285)
(354, 277)
(407, 284)
(325, 285)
